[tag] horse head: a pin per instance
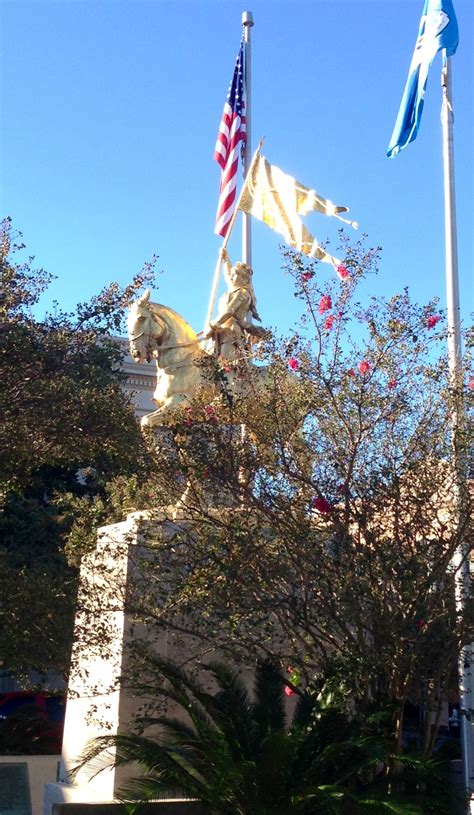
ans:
(145, 329)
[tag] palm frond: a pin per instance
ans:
(334, 799)
(173, 727)
(97, 755)
(233, 711)
(236, 756)
(304, 712)
(207, 711)
(371, 806)
(269, 705)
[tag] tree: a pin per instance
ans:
(67, 428)
(334, 551)
(238, 757)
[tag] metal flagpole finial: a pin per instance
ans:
(247, 18)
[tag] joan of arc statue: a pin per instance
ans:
(233, 329)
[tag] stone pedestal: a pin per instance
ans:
(115, 573)
(96, 705)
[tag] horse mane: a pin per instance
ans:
(172, 316)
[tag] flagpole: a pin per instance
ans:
(247, 23)
(460, 560)
(451, 248)
(215, 284)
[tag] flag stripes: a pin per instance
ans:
(230, 139)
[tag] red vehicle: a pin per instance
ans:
(31, 723)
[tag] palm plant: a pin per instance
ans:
(237, 756)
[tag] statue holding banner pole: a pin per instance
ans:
(232, 329)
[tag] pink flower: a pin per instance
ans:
(421, 623)
(351, 372)
(293, 364)
(305, 276)
(470, 383)
(364, 367)
(322, 505)
(343, 272)
(432, 320)
(210, 412)
(325, 303)
(329, 322)
(289, 691)
(392, 384)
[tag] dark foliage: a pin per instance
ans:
(236, 753)
(67, 428)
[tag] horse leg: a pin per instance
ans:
(152, 419)
(155, 418)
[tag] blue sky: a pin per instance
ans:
(110, 112)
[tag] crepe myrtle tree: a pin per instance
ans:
(63, 412)
(318, 524)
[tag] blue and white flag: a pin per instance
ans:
(438, 29)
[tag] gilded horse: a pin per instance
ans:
(159, 332)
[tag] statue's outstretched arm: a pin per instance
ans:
(226, 259)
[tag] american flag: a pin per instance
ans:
(226, 151)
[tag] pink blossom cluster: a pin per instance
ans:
(343, 272)
(432, 320)
(363, 368)
(322, 505)
(325, 303)
(306, 276)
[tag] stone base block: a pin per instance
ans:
(67, 794)
(63, 799)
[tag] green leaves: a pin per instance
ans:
(63, 411)
(336, 477)
(234, 752)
